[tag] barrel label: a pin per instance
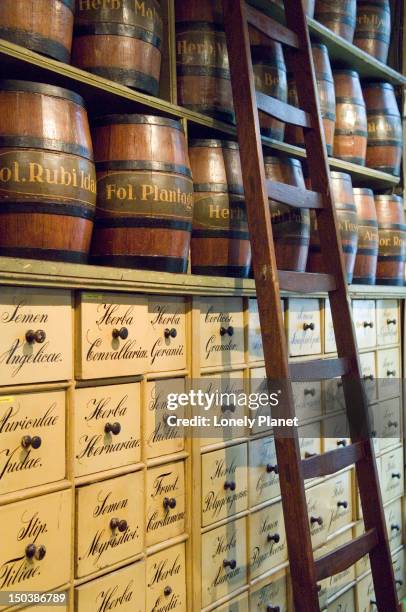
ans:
(141, 13)
(384, 127)
(28, 174)
(219, 211)
(288, 220)
(371, 22)
(271, 81)
(156, 194)
(347, 226)
(202, 48)
(367, 237)
(392, 243)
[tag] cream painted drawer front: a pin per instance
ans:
(393, 519)
(99, 507)
(268, 547)
(363, 565)
(35, 335)
(112, 335)
(166, 334)
(344, 603)
(304, 327)
(365, 594)
(165, 512)
(387, 422)
(263, 473)
(364, 317)
(387, 321)
(339, 492)
(310, 440)
(227, 383)
(255, 349)
(329, 336)
(258, 384)
(160, 439)
(32, 440)
(106, 427)
(392, 474)
(307, 398)
(319, 511)
(221, 331)
(224, 483)
(398, 562)
(237, 604)
(369, 374)
(339, 581)
(333, 395)
(41, 526)
(123, 590)
(271, 596)
(223, 561)
(335, 433)
(389, 373)
(166, 580)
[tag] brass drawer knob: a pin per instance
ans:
(395, 527)
(41, 552)
(390, 372)
(368, 377)
(272, 468)
(368, 324)
(30, 551)
(342, 504)
(311, 392)
(167, 591)
(27, 441)
(396, 475)
(390, 321)
(232, 564)
(307, 326)
(35, 336)
(341, 442)
(229, 485)
(121, 525)
(170, 333)
(316, 519)
(227, 330)
(392, 424)
(229, 408)
(113, 428)
(271, 608)
(169, 503)
(275, 537)
(120, 333)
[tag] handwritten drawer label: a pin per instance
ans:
(221, 331)
(166, 580)
(166, 334)
(268, 547)
(263, 473)
(304, 327)
(165, 513)
(159, 438)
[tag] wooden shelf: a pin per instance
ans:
(36, 273)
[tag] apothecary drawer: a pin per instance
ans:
(109, 522)
(271, 595)
(166, 580)
(225, 417)
(394, 523)
(329, 335)
(263, 472)
(106, 427)
(392, 474)
(122, 590)
(166, 508)
(268, 546)
(111, 335)
(224, 483)
(35, 335)
(365, 594)
(255, 348)
(221, 331)
(389, 373)
(387, 321)
(303, 323)
(364, 316)
(224, 567)
(36, 543)
(32, 439)
(166, 334)
(386, 423)
(369, 375)
(159, 438)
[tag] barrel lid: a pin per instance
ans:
(41, 88)
(137, 119)
(213, 143)
(363, 191)
(340, 175)
(353, 73)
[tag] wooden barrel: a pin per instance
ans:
(121, 41)
(373, 29)
(47, 176)
(392, 240)
(385, 134)
(347, 222)
(367, 252)
(203, 74)
(220, 242)
(351, 129)
(327, 99)
(44, 26)
(144, 193)
(290, 226)
(270, 78)
(337, 15)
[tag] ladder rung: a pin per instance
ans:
(293, 196)
(306, 282)
(346, 555)
(271, 28)
(319, 369)
(282, 111)
(333, 461)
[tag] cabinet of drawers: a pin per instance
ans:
(109, 522)
(32, 440)
(263, 473)
(268, 547)
(107, 427)
(271, 595)
(303, 324)
(166, 580)
(364, 317)
(165, 510)
(166, 334)
(159, 438)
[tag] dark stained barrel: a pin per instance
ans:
(47, 176)
(368, 242)
(385, 134)
(203, 74)
(220, 242)
(120, 40)
(337, 15)
(44, 26)
(144, 193)
(373, 29)
(351, 129)
(270, 78)
(290, 226)
(347, 222)
(392, 240)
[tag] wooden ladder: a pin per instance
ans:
(305, 570)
